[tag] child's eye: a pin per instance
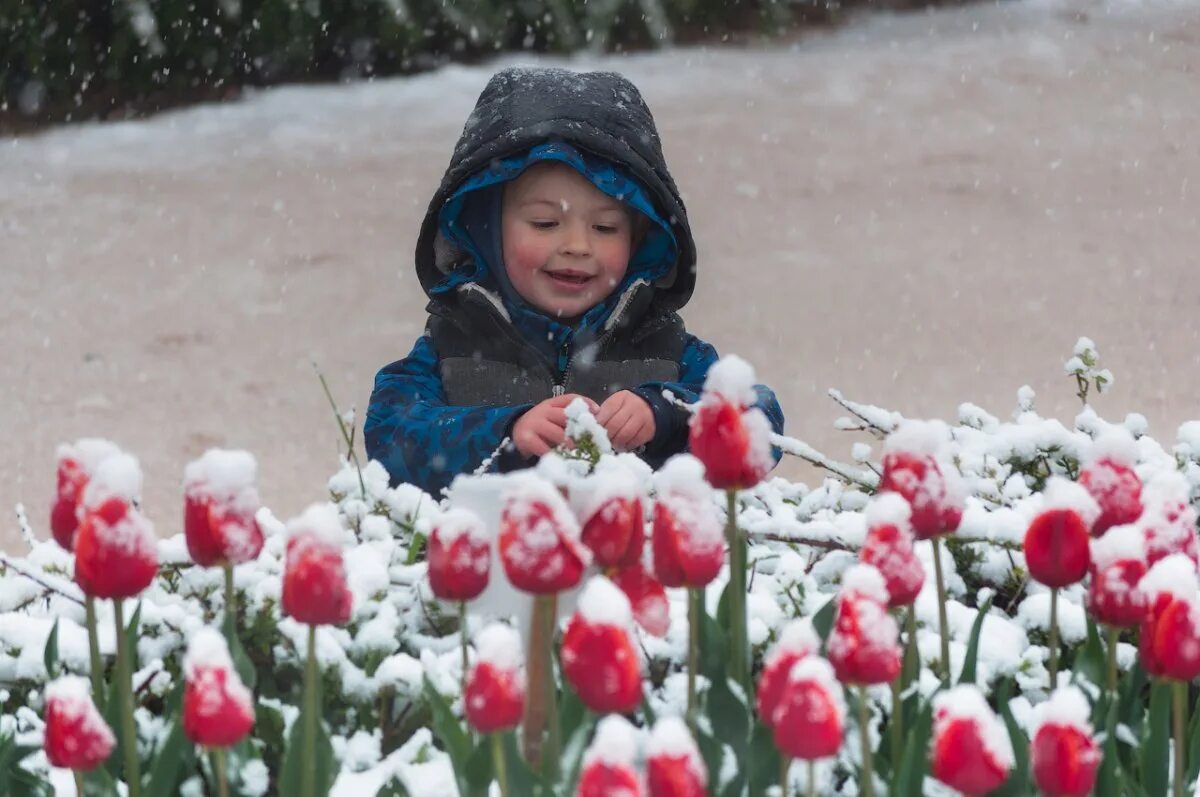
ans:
(544, 225)
(605, 228)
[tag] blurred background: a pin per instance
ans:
(919, 206)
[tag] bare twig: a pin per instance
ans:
(51, 583)
(347, 435)
(812, 542)
(798, 448)
(24, 527)
(861, 412)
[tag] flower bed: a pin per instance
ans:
(905, 618)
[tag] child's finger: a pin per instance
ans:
(625, 425)
(551, 433)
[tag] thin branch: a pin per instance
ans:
(798, 448)
(346, 434)
(24, 527)
(51, 583)
(863, 413)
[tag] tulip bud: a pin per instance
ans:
(1064, 755)
(608, 769)
(220, 502)
(797, 640)
(971, 749)
(495, 691)
(1057, 542)
(116, 548)
(646, 595)
(315, 591)
(1169, 520)
(674, 767)
(77, 737)
(76, 464)
(218, 710)
(688, 544)
(1112, 482)
(613, 521)
(539, 538)
(1169, 644)
(889, 549)
(811, 714)
(459, 555)
(916, 465)
(598, 657)
(864, 644)
(728, 433)
(1118, 564)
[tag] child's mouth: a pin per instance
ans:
(571, 280)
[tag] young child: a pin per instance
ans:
(555, 254)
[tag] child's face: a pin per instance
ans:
(566, 243)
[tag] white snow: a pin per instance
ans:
(87, 452)
(966, 702)
(866, 581)
(207, 649)
(1067, 707)
(888, 509)
(225, 477)
(797, 637)
(671, 738)
(612, 478)
(1119, 544)
(500, 646)
(1174, 575)
(455, 522)
(681, 488)
(602, 603)
(1062, 493)
(1115, 444)
(116, 476)
(319, 524)
(819, 671)
(730, 379)
(919, 438)
(614, 744)
(580, 422)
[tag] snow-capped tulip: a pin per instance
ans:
(688, 545)
(797, 640)
(1169, 644)
(218, 710)
(1169, 520)
(971, 749)
(220, 502)
(539, 539)
(459, 556)
(598, 657)
(647, 596)
(674, 767)
(728, 433)
(1118, 564)
(77, 737)
(613, 521)
(810, 715)
(1112, 482)
(315, 591)
(608, 765)
(495, 691)
(864, 645)
(115, 549)
(915, 466)
(1057, 542)
(76, 464)
(1064, 755)
(889, 548)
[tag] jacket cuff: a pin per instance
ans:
(510, 458)
(670, 422)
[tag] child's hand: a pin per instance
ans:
(628, 419)
(544, 425)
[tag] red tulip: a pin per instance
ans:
(77, 737)
(608, 764)
(495, 691)
(218, 710)
(1169, 520)
(728, 433)
(673, 764)
(1112, 482)
(614, 525)
(1118, 564)
(315, 591)
(971, 749)
(459, 555)
(1056, 548)
(913, 466)
(646, 595)
(889, 549)
(115, 555)
(687, 544)
(598, 658)
(1169, 644)
(796, 641)
(220, 502)
(864, 646)
(810, 716)
(539, 539)
(1064, 756)
(76, 463)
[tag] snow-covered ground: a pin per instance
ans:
(920, 210)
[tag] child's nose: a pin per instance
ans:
(577, 241)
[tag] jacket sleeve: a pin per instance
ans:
(420, 439)
(671, 421)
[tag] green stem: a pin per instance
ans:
(1113, 634)
(499, 763)
(1179, 691)
(78, 776)
(230, 599)
(311, 709)
(1053, 638)
(462, 633)
(125, 698)
(897, 724)
(943, 622)
(864, 734)
(551, 761)
(218, 758)
(740, 664)
(812, 778)
(94, 653)
(693, 654)
(785, 764)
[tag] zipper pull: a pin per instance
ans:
(558, 390)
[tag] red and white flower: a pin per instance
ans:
(647, 596)
(971, 749)
(539, 538)
(459, 556)
(864, 644)
(1118, 564)
(218, 709)
(220, 503)
(1063, 753)
(77, 737)
(495, 690)
(608, 764)
(1057, 542)
(315, 591)
(728, 433)
(889, 548)
(614, 523)
(599, 659)
(810, 715)
(688, 544)
(76, 464)
(1169, 520)
(1111, 480)
(674, 767)
(797, 640)
(116, 548)
(916, 465)
(1169, 643)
